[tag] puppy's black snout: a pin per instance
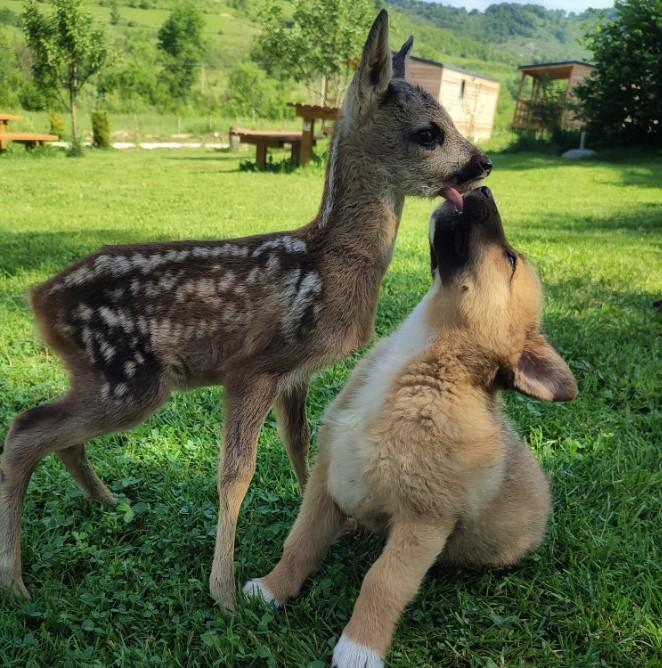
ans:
(486, 165)
(486, 191)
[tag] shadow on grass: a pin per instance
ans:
(222, 157)
(53, 251)
(531, 160)
(646, 219)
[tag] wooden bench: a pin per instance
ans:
(264, 140)
(5, 119)
(28, 139)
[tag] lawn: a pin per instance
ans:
(128, 585)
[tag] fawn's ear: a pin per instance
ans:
(542, 373)
(401, 58)
(375, 70)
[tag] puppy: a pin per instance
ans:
(417, 442)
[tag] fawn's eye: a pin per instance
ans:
(512, 258)
(429, 137)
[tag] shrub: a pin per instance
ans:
(100, 129)
(57, 124)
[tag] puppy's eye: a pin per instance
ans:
(428, 137)
(512, 258)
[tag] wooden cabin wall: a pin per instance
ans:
(473, 109)
(577, 74)
(425, 75)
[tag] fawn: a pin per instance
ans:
(417, 442)
(259, 315)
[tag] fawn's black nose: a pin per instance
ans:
(486, 164)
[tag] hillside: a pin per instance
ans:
(493, 42)
(508, 31)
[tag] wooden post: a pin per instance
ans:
(518, 104)
(307, 140)
(296, 153)
(233, 140)
(261, 154)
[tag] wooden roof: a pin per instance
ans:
(558, 70)
(469, 73)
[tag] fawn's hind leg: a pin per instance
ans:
(290, 407)
(53, 427)
(76, 461)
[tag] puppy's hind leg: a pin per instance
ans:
(317, 525)
(513, 524)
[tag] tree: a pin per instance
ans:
(180, 39)
(622, 102)
(66, 52)
(252, 93)
(320, 40)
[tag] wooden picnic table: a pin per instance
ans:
(5, 119)
(268, 139)
(301, 142)
(28, 139)
(310, 113)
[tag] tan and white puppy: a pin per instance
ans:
(417, 442)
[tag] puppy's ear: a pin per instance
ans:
(375, 71)
(401, 58)
(541, 373)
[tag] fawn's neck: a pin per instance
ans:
(360, 211)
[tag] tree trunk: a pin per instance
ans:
(74, 112)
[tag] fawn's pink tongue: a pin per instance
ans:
(453, 196)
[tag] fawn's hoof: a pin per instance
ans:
(107, 497)
(257, 589)
(224, 596)
(13, 583)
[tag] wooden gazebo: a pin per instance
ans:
(531, 99)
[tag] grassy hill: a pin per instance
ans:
(493, 42)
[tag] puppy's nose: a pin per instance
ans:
(486, 191)
(486, 165)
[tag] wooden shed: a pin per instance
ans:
(470, 98)
(533, 94)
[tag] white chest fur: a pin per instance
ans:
(351, 450)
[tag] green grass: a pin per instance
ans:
(117, 588)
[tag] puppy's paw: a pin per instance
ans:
(257, 589)
(350, 654)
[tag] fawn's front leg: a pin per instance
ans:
(318, 523)
(246, 407)
(389, 585)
